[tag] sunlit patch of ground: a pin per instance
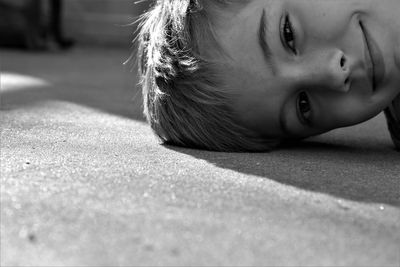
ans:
(13, 81)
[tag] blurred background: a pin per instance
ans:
(34, 24)
(72, 52)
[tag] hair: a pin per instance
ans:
(185, 100)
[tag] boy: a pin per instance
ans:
(234, 75)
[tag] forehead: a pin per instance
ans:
(257, 100)
(257, 97)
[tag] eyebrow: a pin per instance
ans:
(262, 39)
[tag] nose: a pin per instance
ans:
(328, 70)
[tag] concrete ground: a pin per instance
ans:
(85, 183)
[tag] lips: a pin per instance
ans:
(374, 59)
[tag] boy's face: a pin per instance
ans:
(304, 67)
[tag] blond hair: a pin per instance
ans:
(185, 101)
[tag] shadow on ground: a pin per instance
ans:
(348, 170)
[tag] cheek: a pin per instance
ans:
(259, 112)
(323, 20)
(346, 110)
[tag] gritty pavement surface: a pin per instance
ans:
(85, 183)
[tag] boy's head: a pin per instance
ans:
(245, 75)
(185, 99)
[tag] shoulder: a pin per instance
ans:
(392, 114)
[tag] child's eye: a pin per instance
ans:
(304, 111)
(288, 35)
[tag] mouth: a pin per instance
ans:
(374, 59)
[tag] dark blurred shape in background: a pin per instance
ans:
(44, 24)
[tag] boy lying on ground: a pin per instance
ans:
(248, 75)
